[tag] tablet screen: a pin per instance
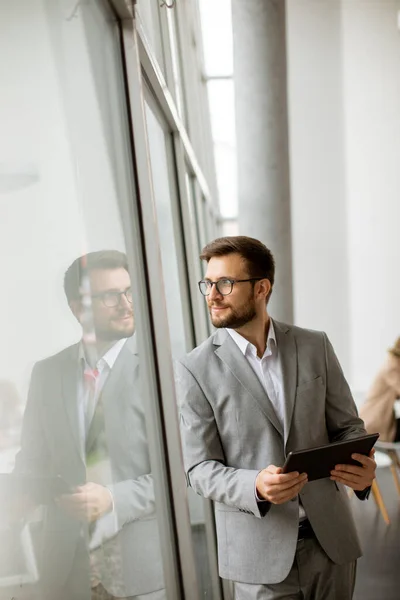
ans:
(319, 462)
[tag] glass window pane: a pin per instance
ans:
(162, 165)
(222, 114)
(216, 25)
(77, 501)
(176, 85)
(150, 19)
(164, 186)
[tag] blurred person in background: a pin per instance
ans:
(84, 439)
(378, 411)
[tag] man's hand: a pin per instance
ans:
(88, 503)
(357, 478)
(278, 487)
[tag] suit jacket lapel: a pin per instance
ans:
(288, 356)
(69, 378)
(122, 373)
(233, 358)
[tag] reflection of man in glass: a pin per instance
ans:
(84, 433)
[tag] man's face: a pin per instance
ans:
(110, 322)
(239, 307)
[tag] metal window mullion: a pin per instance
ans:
(204, 105)
(191, 242)
(199, 200)
(201, 329)
(166, 45)
(185, 45)
(146, 341)
(181, 537)
(189, 67)
(123, 8)
(199, 68)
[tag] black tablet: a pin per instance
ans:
(319, 462)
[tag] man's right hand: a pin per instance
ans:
(278, 487)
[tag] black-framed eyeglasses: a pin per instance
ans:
(112, 299)
(223, 286)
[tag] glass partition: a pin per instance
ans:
(77, 502)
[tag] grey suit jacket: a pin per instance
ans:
(51, 445)
(230, 432)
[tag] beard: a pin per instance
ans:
(112, 334)
(114, 331)
(237, 317)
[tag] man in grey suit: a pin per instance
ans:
(84, 423)
(254, 391)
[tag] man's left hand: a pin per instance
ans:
(357, 478)
(89, 502)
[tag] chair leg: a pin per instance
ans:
(393, 467)
(379, 501)
(394, 457)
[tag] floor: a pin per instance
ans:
(378, 571)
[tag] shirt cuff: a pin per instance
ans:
(105, 528)
(112, 499)
(258, 499)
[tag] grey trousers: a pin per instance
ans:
(313, 576)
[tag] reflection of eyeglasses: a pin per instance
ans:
(112, 299)
(224, 286)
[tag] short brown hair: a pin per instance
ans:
(258, 258)
(103, 259)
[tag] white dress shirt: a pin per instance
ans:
(87, 402)
(107, 525)
(268, 369)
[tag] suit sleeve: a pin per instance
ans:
(33, 457)
(342, 420)
(204, 459)
(133, 499)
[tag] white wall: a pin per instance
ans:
(371, 48)
(344, 105)
(318, 182)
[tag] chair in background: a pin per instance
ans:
(376, 492)
(391, 450)
(382, 460)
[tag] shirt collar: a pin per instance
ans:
(245, 345)
(112, 354)
(108, 358)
